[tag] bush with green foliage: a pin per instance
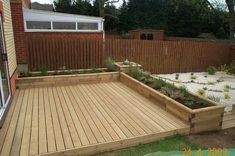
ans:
(211, 70)
(94, 69)
(109, 63)
(231, 68)
(135, 73)
(43, 71)
(158, 83)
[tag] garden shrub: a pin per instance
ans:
(109, 63)
(135, 73)
(211, 70)
(231, 68)
(43, 71)
(158, 83)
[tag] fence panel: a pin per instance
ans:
(155, 56)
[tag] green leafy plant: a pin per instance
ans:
(135, 73)
(158, 83)
(204, 88)
(205, 76)
(210, 83)
(201, 92)
(193, 77)
(109, 63)
(43, 71)
(94, 69)
(183, 91)
(211, 70)
(231, 68)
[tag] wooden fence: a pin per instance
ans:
(155, 56)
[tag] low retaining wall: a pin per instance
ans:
(29, 82)
(200, 120)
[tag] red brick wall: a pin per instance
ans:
(19, 34)
(78, 35)
(12, 83)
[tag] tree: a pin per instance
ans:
(230, 5)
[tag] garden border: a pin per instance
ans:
(200, 120)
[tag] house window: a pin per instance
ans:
(145, 36)
(149, 36)
(87, 26)
(38, 25)
(64, 25)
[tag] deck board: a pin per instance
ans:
(82, 119)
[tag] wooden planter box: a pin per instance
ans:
(200, 120)
(125, 68)
(27, 82)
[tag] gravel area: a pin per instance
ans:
(219, 87)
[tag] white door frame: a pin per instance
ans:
(4, 102)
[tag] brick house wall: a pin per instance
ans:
(19, 34)
(78, 35)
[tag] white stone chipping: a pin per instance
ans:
(220, 86)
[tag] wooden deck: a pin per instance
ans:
(82, 119)
(228, 120)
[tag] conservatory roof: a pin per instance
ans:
(30, 14)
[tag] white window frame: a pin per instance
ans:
(65, 22)
(100, 29)
(38, 21)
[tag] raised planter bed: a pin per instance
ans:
(201, 119)
(36, 81)
(120, 66)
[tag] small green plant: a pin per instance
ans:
(210, 83)
(43, 71)
(211, 70)
(231, 68)
(177, 75)
(205, 76)
(94, 69)
(192, 81)
(226, 96)
(201, 92)
(193, 77)
(183, 90)
(109, 63)
(135, 73)
(190, 101)
(226, 88)
(192, 74)
(158, 83)
(205, 88)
